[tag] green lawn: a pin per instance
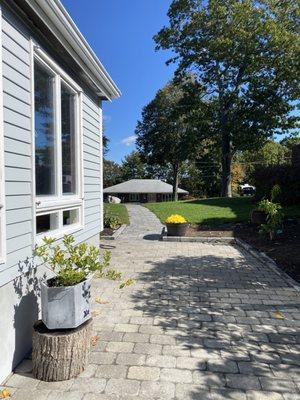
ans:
(212, 211)
(118, 210)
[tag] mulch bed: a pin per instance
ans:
(108, 231)
(284, 250)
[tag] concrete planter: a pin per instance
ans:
(66, 307)
(177, 229)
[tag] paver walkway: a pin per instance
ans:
(143, 224)
(201, 322)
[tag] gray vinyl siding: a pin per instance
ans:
(18, 152)
(17, 143)
(91, 168)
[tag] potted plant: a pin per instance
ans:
(65, 298)
(176, 225)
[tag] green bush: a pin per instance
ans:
(274, 217)
(111, 221)
(71, 262)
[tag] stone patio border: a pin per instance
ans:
(116, 234)
(260, 256)
(199, 239)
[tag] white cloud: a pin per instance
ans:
(129, 140)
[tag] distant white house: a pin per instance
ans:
(51, 92)
(143, 190)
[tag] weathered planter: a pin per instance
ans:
(66, 307)
(258, 217)
(177, 229)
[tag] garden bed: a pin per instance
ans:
(284, 249)
(112, 234)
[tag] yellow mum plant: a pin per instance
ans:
(176, 219)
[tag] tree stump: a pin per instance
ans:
(58, 355)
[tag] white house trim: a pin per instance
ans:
(59, 203)
(54, 15)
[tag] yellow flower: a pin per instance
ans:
(176, 219)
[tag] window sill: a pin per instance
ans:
(59, 233)
(49, 205)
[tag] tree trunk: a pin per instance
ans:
(226, 166)
(58, 355)
(175, 181)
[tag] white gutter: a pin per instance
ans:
(57, 19)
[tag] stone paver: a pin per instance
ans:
(198, 323)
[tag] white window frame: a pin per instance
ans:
(2, 164)
(59, 202)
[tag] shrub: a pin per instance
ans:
(274, 217)
(71, 262)
(111, 221)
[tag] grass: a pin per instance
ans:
(213, 211)
(118, 210)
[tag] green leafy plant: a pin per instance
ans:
(111, 221)
(274, 217)
(72, 262)
(275, 192)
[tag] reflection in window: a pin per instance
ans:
(47, 222)
(68, 140)
(70, 217)
(44, 132)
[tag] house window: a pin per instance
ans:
(58, 159)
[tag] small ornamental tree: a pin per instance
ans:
(246, 56)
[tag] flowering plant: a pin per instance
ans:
(176, 219)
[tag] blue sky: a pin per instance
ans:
(120, 32)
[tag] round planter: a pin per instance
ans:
(258, 217)
(177, 229)
(66, 307)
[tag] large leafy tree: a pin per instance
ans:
(166, 135)
(245, 54)
(133, 167)
(112, 173)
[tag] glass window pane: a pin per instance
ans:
(44, 132)
(45, 223)
(70, 217)
(68, 140)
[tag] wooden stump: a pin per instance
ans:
(62, 354)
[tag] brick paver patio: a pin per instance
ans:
(201, 322)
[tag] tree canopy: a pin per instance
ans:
(165, 134)
(245, 56)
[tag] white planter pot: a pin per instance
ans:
(66, 307)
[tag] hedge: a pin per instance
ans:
(286, 176)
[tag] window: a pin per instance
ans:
(44, 131)
(58, 159)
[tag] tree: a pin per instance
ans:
(165, 134)
(112, 173)
(245, 54)
(133, 167)
(105, 142)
